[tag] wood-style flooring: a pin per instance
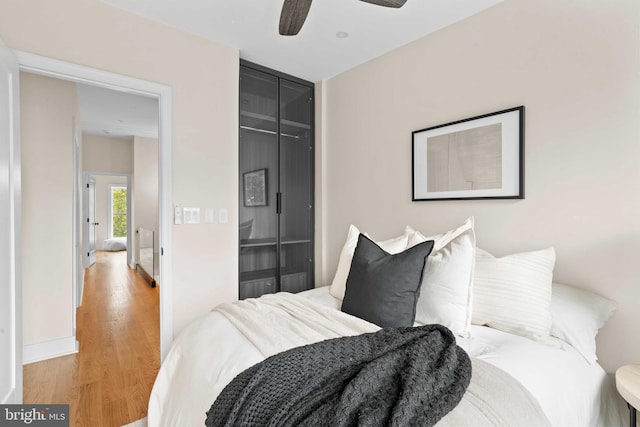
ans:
(108, 382)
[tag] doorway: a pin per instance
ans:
(106, 221)
(74, 73)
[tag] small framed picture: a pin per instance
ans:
(477, 158)
(255, 188)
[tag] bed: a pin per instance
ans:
(531, 342)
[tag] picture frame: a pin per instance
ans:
(255, 188)
(480, 157)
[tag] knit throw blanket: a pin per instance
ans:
(396, 376)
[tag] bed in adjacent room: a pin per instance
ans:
(529, 345)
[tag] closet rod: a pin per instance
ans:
(270, 132)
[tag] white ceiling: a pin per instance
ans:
(116, 114)
(316, 53)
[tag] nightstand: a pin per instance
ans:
(628, 385)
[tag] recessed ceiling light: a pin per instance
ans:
(342, 34)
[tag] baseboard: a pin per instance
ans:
(49, 349)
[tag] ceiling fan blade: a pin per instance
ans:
(293, 15)
(387, 3)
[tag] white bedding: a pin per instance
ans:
(570, 391)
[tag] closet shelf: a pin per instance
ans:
(255, 118)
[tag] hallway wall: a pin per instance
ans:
(48, 107)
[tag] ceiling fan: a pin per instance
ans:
(294, 13)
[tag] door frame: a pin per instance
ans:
(11, 262)
(86, 225)
(54, 68)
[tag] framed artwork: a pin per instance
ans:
(255, 188)
(477, 158)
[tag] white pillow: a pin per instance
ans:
(339, 283)
(577, 314)
(447, 280)
(513, 293)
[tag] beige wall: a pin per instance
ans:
(107, 154)
(204, 81)
(48, 108)
(575, 66)
(145, 187)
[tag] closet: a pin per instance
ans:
(276, 182)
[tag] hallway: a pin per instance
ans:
(109, 381)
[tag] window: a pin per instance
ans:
(118, 216)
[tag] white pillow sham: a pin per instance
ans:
(577, 315)
(513, 293)
(339, 283)
(447, 279)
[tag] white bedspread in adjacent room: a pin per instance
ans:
(211, 351)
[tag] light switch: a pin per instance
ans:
(223, 214)
(191, 215)
(177, 215)
(209, 216)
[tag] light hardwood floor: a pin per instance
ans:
(108, 382)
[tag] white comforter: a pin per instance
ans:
(569, 391)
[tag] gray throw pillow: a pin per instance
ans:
(384, 288)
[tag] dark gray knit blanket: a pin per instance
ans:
(396, 376)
